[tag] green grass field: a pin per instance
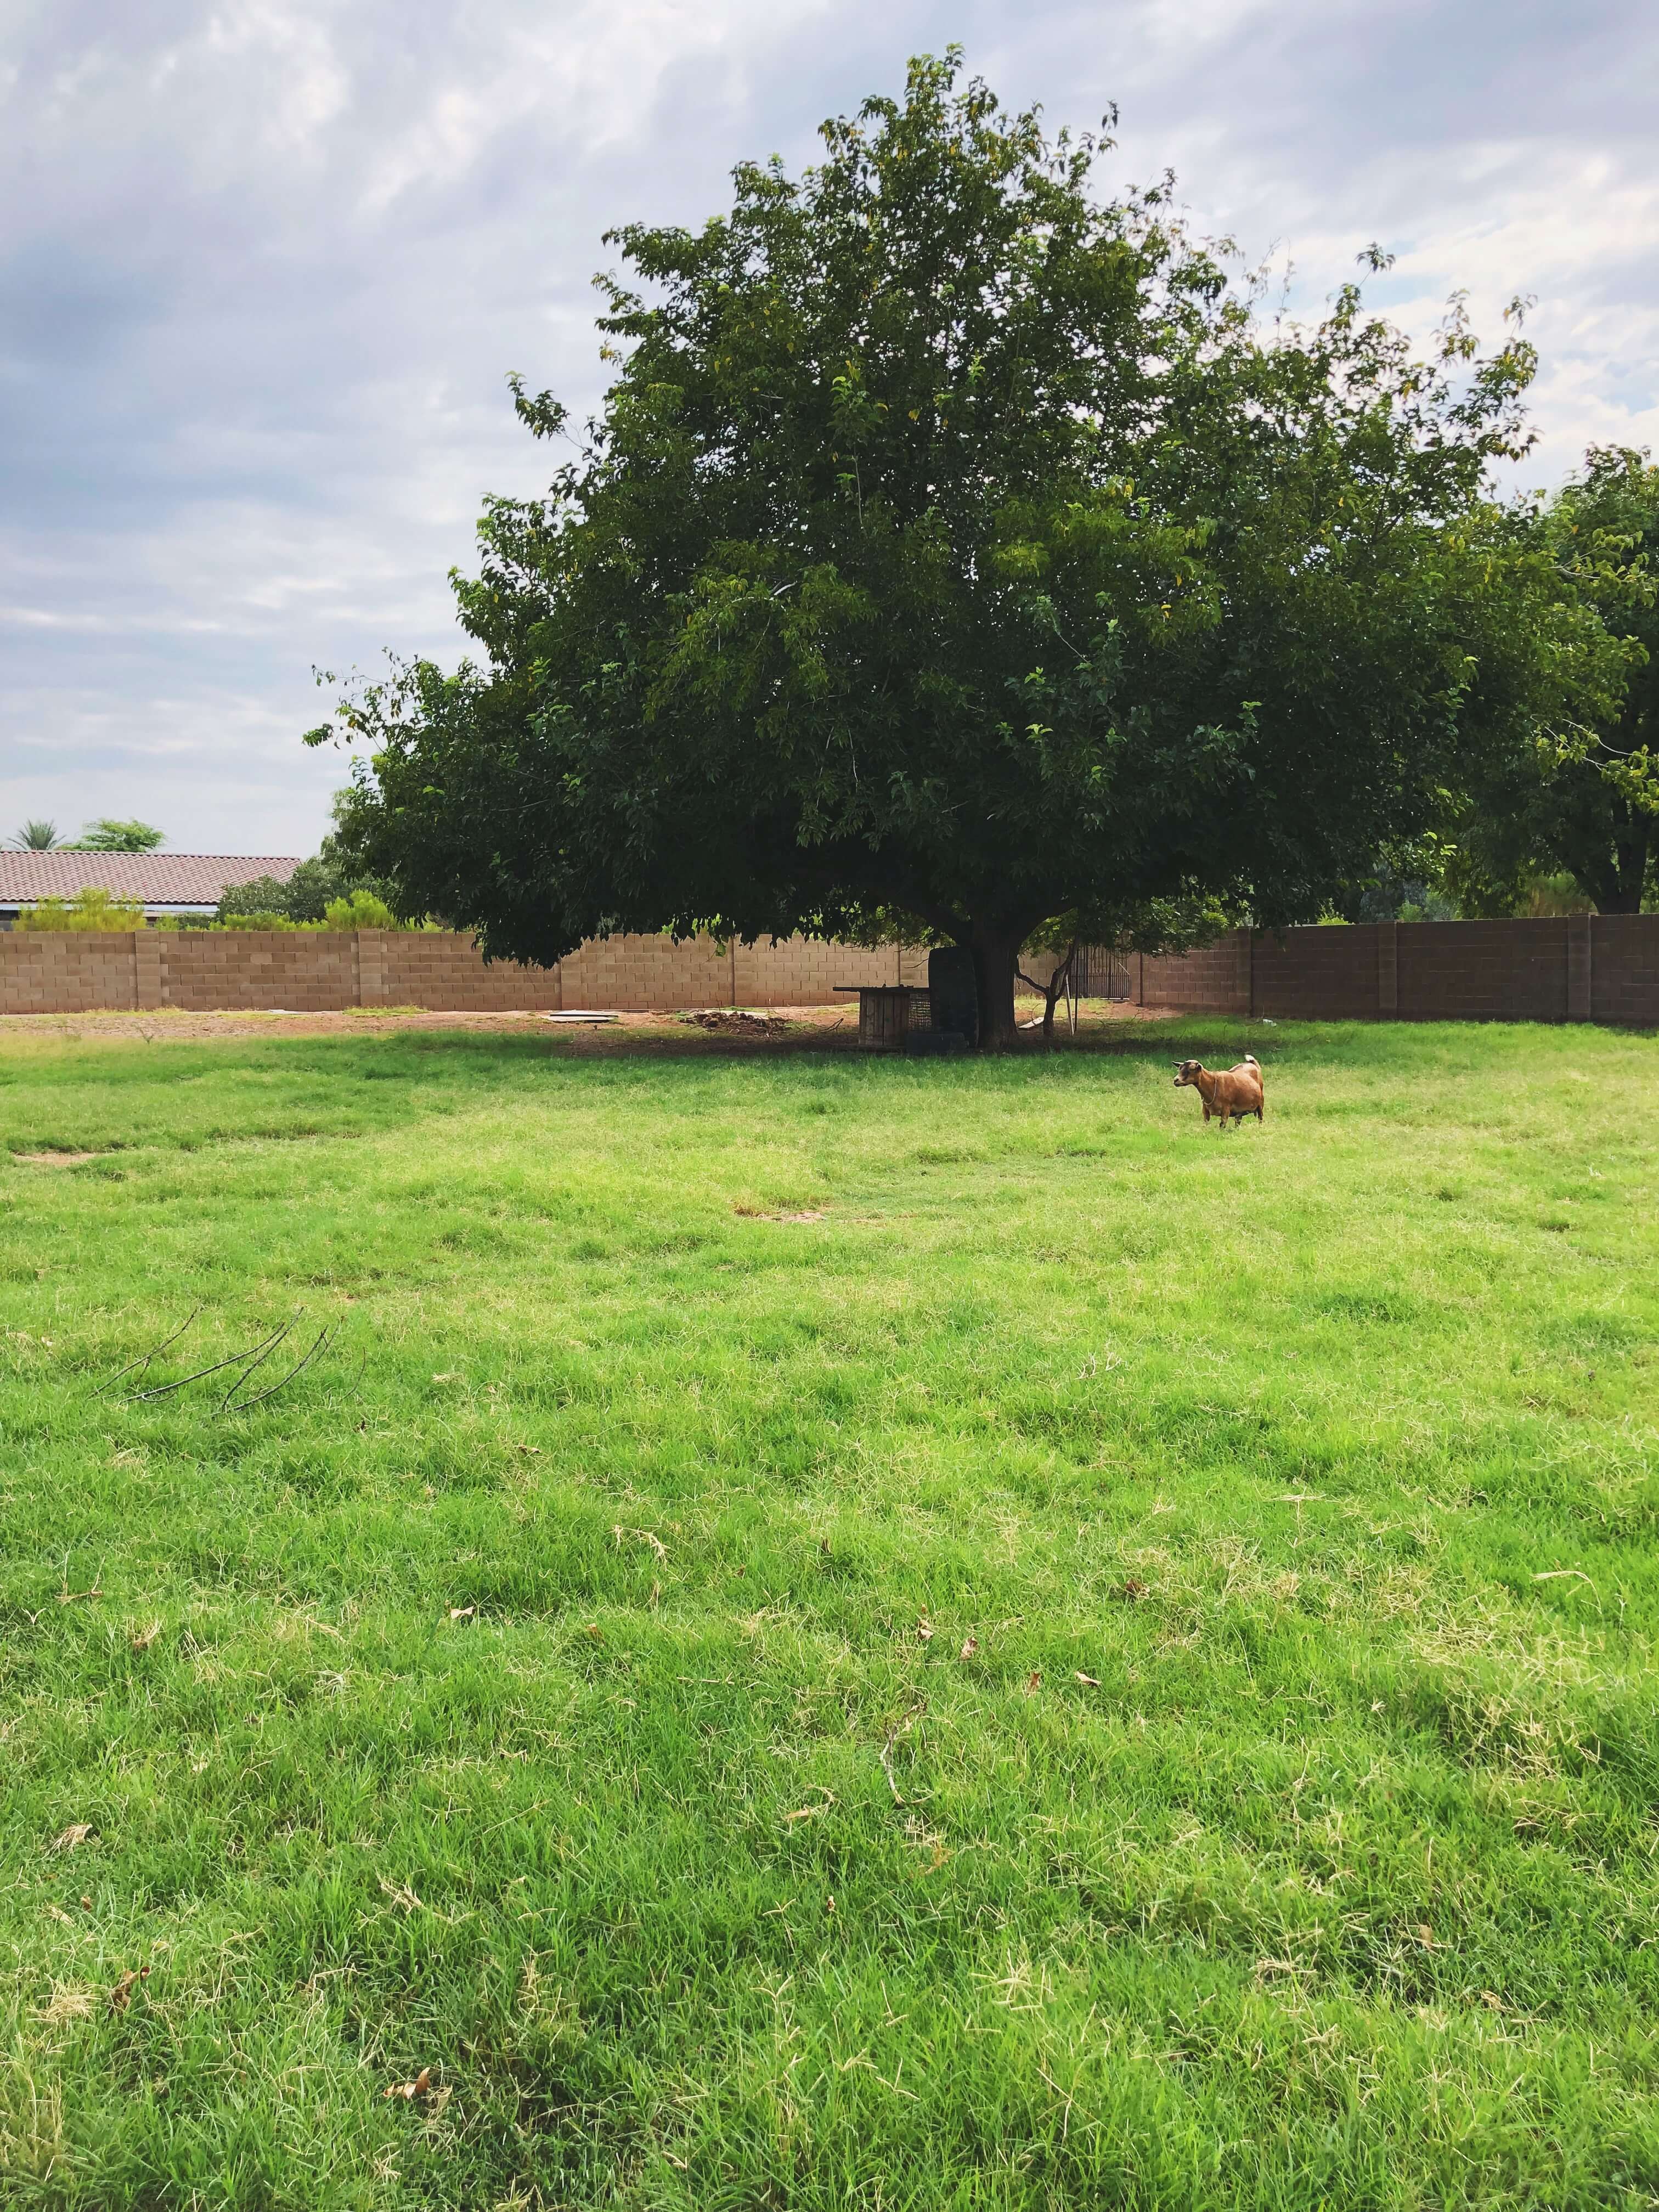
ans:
(1116, 1667)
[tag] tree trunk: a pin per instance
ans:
(995, 951)
(1058, 982)
(1061, 981)
(1630, 869)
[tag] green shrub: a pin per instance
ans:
(1554, 895)
(91, 908)
(362, 910)
(260, 895)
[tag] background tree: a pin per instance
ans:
(956, 549)
(109, 835)
(333, 873)
(1584, 800)
(36, 837)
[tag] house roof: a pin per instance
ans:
(153, 879)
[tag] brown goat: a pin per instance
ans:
(1232, 1095)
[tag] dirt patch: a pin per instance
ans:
(733, 1021)
(56, 1159)
(711, 1030)
(804, 1024)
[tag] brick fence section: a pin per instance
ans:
(1580, 967)
(75, 974)
(322, 971)
(1623, 977)
(1602, 968)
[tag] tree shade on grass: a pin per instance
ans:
(956, 549)
(830, 1633)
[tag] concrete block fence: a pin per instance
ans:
(325, 971)
(1570, 967)
(1602, 968)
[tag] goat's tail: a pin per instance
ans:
(1251, 1060)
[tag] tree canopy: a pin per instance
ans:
(1584, 799)
(107, 835)
(332, 875)
(956, 548)
(103, 836)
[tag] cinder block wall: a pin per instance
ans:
(425, 968)
(1624, 980)
(1314, 974)
(1218, 977)
(635, 974)
(1577, 968)
(803, 971)
(75, 973)
(1509, 970)
(203, 970)
(320, 971)
(1563, 968)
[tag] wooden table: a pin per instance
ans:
(886, 1013)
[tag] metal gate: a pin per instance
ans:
(1101, 971)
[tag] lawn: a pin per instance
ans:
(831, 1633)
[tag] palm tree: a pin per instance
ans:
(35, 837)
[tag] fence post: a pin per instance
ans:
(1579, 966)
(368, 967)
(146, 968)
(1388, 970)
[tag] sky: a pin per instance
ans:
(266, 265)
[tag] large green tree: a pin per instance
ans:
(333, 873)
(108, 835)
(1583, 798)
(958, 547)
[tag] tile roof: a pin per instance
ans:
(155, 878)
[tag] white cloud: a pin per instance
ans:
(266, 263)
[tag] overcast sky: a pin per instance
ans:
(265, 264)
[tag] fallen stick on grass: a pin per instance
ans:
(146, 1358)
(271, 1346)
(886, 1756)
(243, 1404)
(217, 1368)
